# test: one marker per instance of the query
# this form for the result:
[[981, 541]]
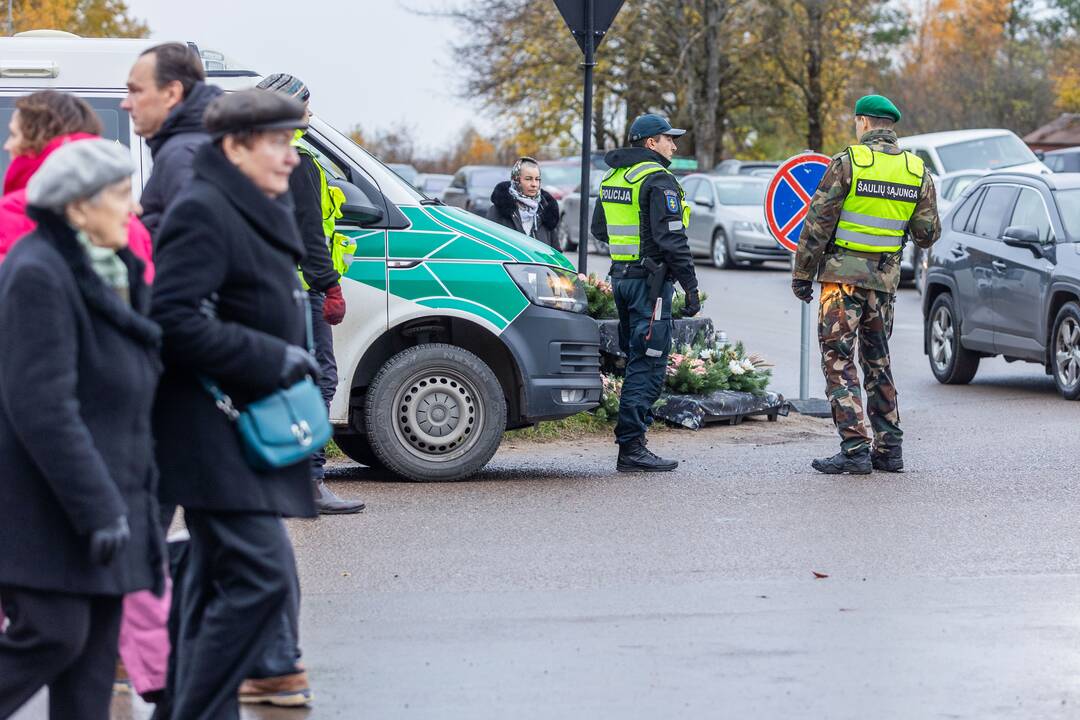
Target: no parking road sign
[[788, 196]]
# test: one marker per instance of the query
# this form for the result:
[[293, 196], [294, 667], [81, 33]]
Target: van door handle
[[958, 250], [999, 266]]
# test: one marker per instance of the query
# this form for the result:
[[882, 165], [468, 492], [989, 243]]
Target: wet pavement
[[552, 587]]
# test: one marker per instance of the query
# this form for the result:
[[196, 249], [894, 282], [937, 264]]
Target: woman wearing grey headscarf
[[78, 371], [520, 204]]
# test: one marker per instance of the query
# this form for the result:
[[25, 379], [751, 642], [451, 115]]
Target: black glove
[[693, 304], [109, 540], [298, 363], [803, 289]]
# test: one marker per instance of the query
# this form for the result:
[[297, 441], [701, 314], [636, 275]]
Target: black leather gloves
[[298, 363], [106, 542], [693, 304], [803, 289]]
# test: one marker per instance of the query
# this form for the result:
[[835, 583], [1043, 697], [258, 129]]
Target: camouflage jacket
[[819, 257]]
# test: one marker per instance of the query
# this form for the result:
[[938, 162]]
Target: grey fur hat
[[78, 170]]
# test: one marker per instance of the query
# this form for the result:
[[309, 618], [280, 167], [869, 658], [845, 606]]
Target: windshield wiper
[[431, 201]]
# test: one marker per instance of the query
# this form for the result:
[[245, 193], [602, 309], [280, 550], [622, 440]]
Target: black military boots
[[635, 457], [857, 463]]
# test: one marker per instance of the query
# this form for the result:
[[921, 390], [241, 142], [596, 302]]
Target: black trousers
[[65, 642], [235, 588]]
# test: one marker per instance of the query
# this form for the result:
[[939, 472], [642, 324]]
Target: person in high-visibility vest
[[873, 197], [641, 214], [316, 209]]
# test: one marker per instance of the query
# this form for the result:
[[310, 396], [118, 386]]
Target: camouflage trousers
[[850, 315]]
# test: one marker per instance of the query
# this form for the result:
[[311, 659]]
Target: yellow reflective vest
[[881, 201], [620, 196], [331, 199]]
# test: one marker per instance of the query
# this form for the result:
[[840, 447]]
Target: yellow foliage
[[88, 18]]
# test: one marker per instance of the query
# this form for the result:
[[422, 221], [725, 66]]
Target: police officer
[[642, 216], [873, 196]]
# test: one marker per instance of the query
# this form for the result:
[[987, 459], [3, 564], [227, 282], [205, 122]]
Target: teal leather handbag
[[284, 428]]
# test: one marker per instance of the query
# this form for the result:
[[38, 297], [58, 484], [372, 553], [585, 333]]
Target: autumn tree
[[88, 18], [976, 63]]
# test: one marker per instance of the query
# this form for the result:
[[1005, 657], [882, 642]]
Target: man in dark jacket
[[167, 96], [520, 204], [641, 215]]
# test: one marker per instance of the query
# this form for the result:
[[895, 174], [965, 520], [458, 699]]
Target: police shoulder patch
[[671, 199]]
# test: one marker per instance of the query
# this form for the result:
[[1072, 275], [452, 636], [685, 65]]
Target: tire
[[719, 251], [951, 362], [1065, 351], [427, 390], [357, 448]]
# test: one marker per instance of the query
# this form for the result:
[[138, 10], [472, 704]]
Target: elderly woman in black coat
[[231, 308], [78, 368], [520, 204]]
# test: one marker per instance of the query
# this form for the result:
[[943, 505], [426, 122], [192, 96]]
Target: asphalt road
[[552, 587]]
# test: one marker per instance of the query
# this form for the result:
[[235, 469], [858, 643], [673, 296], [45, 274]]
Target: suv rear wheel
[[951, 363], [435, 412], [1065, 351]]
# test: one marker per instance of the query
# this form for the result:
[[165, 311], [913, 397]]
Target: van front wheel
[[435, 412]]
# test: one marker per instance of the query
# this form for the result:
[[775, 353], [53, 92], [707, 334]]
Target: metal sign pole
[[804, 354], [586, 137]]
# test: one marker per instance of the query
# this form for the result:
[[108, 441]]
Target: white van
[[947, 152], [457, 328]]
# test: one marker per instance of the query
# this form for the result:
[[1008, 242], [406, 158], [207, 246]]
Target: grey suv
[[1005, 279]]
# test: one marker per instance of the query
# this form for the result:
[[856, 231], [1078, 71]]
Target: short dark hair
[[176, 62], [877, 123], [640, 144]]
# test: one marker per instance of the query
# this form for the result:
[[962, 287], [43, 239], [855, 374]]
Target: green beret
[[877, 106]]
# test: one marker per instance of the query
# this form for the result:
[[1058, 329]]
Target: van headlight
[[550, 287]]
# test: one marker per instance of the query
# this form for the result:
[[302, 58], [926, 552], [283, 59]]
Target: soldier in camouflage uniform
[[858, 290]]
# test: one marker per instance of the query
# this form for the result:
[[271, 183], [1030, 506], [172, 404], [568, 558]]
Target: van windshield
[[999, 151], [390, 183]]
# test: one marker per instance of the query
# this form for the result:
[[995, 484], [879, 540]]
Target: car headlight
[[550, 287], [744, 226]]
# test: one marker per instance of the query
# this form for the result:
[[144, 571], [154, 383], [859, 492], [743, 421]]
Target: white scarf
[[528, 210]]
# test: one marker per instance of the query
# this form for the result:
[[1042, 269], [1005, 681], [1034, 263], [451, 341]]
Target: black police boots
[[889, 460], [855, 464], [635, 457]]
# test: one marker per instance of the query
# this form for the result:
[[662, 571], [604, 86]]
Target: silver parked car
[[727, 220]]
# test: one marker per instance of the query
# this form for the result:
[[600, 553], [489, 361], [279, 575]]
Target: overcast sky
[[367, 62]]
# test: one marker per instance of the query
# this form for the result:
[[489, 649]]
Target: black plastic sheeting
[[684, 332], [730, 406]]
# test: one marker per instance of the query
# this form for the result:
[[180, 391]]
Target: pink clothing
[[14, 224], [144, 639], [23, 167]]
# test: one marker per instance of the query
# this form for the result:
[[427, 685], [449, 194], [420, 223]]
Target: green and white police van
[[457, 328]]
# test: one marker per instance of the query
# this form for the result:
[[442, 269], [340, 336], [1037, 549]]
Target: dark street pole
[[586, 137]]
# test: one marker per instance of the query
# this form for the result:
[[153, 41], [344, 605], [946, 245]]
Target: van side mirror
[[1040, 155], [357, 208], [362, 214], [1024, 236]]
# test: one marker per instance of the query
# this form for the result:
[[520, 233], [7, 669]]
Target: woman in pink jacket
[[42, 123]]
